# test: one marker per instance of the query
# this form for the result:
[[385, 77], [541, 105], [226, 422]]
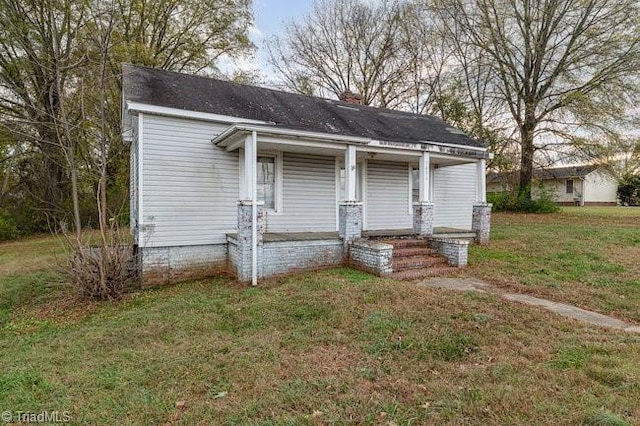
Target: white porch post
[[481, 221], [350, 173], [253, 159], [250, 168], [424, 209], [425, 187], [350, 210], [250, 216], [481, 179]]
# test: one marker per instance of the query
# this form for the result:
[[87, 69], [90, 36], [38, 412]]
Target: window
[[266, 180], [415, 185], [569, 186]]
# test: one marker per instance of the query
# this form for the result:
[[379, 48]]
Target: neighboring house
[[263, 182], [568, 186]]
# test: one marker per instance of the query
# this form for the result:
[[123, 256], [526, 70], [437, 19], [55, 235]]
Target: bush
[[104, 272], [8, 228], [629, 191], [515, 202]]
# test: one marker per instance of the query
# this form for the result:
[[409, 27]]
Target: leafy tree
[[60, 87], [629, 190]]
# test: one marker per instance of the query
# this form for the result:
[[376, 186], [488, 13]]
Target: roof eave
[[230, 139]]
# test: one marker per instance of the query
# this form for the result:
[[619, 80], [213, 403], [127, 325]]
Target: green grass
[[329, 347], [585, 256]]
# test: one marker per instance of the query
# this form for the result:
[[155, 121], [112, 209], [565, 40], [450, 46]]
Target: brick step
[[417, 262], [405, 243], [412, 251], [413, 274]]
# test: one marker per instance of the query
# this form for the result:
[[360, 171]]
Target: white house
[[568, 186], [262, 182]]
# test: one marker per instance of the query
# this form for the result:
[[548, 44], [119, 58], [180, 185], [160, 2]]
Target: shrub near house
[[629, 191]]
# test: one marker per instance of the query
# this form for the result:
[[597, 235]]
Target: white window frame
[[411, 169], [573, 186], [278, 159]]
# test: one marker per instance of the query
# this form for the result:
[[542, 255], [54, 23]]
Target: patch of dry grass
[[29, 254], [583, 256], [329, 347]]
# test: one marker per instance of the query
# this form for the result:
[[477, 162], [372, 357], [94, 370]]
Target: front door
[[387, 196]]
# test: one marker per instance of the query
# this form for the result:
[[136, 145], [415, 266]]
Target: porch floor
[[439, 231], [444, 232], [274, 237]]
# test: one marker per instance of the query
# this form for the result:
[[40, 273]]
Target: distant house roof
[[567, 172], [287, 110]]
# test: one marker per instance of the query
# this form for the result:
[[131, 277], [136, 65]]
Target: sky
[[270, 17]]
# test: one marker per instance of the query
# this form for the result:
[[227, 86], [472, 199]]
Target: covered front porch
[[328, 191]]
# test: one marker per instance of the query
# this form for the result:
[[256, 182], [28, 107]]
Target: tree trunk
[[52, 193], [527, 130]]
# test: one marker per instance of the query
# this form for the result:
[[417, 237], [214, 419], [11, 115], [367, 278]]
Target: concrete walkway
[[473, 284]]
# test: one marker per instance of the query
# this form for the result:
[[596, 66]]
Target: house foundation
[[455, 250], [282, 257], [169, 265], [371, 256]]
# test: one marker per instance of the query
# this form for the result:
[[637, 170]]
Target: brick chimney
[[350, 97]]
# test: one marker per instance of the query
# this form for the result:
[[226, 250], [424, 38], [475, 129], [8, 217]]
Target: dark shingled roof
[[287, 110], [547, 174]]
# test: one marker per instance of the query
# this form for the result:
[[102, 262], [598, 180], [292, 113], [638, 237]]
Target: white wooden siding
[[600, 187], [387, 196], [454, 195], [308, 195], [190, 186]]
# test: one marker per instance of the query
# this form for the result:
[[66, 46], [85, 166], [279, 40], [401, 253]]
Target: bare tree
[[561, 67], [346, 45]]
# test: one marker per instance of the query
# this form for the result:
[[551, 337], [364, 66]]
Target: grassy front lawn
[[584, 256], [330, 347]]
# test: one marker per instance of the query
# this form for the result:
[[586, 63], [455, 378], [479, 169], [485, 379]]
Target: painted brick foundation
[[282, 257], [455, 250], [371, 256], [287, 256], [169, 265]]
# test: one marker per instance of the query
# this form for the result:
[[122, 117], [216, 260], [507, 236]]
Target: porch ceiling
[[301, 149], [412, 158]]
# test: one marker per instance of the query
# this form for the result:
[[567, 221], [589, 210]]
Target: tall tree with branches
[[563, 68], [39, 53], [59, 84], [346, 45]]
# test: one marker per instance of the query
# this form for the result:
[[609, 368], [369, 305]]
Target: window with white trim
[[266, 181], [569, 186], [415, 184]]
